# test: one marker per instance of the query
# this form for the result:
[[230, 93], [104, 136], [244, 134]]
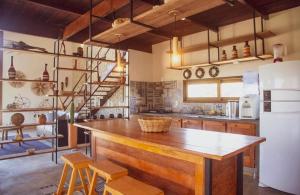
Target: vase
[[224, 55], [234, 54], [42, 119], [12, 70], [72, 135], [45, 74], [246, 50]]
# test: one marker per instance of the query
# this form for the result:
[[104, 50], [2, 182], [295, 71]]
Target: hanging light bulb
[[176, 58], [120, 64]]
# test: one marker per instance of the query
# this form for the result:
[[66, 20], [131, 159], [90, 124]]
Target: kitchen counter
[[202, 117], [181, 161]]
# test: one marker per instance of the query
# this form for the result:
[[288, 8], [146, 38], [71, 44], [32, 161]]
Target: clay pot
[[42, 119]]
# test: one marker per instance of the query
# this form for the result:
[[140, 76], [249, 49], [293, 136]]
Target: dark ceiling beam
[[53, 5], [259, 10], [153, 2], [205, 26]]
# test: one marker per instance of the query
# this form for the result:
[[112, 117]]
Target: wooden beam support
[[261, 12], [153, 2], [102, 9], [205, 26], [53, 5]]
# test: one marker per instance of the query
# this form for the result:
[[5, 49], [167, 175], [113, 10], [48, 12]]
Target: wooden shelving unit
[[151, 19], [231, 61], [26, 80], [229, 41]]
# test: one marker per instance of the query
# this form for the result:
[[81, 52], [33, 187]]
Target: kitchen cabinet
[[176, 123], [192, 123], [211, 125], [244, 129]]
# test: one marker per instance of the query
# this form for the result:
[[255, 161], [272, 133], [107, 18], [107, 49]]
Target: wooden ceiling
[[49, 18]]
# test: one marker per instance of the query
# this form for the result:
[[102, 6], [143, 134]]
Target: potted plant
[[72, 129]]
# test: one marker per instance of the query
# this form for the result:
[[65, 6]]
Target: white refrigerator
[[280, 124]]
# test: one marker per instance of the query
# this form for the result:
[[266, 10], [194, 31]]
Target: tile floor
[[38, 175]]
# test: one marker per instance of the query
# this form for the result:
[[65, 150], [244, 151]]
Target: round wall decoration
[[17, 119], [19, 76], [214, 71], [200, 73], [40, 88], [187, 73]]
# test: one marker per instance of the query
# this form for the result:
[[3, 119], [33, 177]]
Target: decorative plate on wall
[[214, 71], [187, 74], [200, 73], [40, 88], [18, 84]]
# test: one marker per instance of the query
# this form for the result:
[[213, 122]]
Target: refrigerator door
[[284, 75], [280, 155]]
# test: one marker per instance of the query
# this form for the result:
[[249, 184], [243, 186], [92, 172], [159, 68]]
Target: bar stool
[[77, 162], [128, 185], [120, 115], [111, 116], [106, 170], [102, 116]]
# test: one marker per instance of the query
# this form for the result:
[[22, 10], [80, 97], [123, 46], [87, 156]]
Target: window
[[213, 90]]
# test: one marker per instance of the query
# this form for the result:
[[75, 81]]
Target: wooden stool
[[78, 162], [106, 170], [127, 185]]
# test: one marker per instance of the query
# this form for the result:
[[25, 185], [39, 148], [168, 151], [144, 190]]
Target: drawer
[[214, 125], [193, 124]]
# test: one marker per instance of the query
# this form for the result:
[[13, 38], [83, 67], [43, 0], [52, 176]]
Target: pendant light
[[120, 64], [176, 58]]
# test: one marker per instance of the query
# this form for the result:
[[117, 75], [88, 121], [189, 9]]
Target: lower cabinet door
[[176, 123], [193, 124], [244, 129], [214, 125]]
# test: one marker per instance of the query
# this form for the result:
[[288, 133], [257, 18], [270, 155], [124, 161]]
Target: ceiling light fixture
[[120, 64], [175, 47]]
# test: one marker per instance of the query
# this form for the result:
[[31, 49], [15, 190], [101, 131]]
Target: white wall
[[140, 68], [285, 24]]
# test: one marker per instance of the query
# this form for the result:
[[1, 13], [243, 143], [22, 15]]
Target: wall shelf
[[231, 61], [72, 69], [24, 125], [31, 139], [53, 54], [28, 110], [26, 80]]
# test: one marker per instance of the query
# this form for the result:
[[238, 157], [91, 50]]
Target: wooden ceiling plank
[[102, 9]]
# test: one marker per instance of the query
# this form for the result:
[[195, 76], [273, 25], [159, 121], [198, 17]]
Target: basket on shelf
[[155, 124]]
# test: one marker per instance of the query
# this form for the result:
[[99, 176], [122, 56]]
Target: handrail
[[82, 76]]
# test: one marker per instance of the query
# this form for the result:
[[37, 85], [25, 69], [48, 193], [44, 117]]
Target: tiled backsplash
[[167, 96]]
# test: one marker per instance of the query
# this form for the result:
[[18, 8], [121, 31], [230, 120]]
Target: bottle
[[75, 65], [45, 74], [247, 112], [12, 70], [234, 54], [224, 55], [246, 50]]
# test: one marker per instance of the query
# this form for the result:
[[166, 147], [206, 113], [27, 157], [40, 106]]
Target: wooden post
[[1, 71]]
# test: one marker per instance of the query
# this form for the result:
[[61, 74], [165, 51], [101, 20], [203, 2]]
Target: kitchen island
[[181, 161]]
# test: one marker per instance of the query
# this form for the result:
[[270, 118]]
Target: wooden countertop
[[188, 143]]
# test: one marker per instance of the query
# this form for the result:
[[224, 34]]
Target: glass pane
[[232, 89], [202, 90]]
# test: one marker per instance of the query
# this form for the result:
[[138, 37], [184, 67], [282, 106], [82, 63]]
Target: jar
[[234, 54], [246, 50], [224, 55]]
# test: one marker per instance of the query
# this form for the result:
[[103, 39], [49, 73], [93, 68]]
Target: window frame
[[218, 81]]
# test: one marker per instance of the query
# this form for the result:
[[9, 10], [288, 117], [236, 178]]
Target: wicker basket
[[155, 124]]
